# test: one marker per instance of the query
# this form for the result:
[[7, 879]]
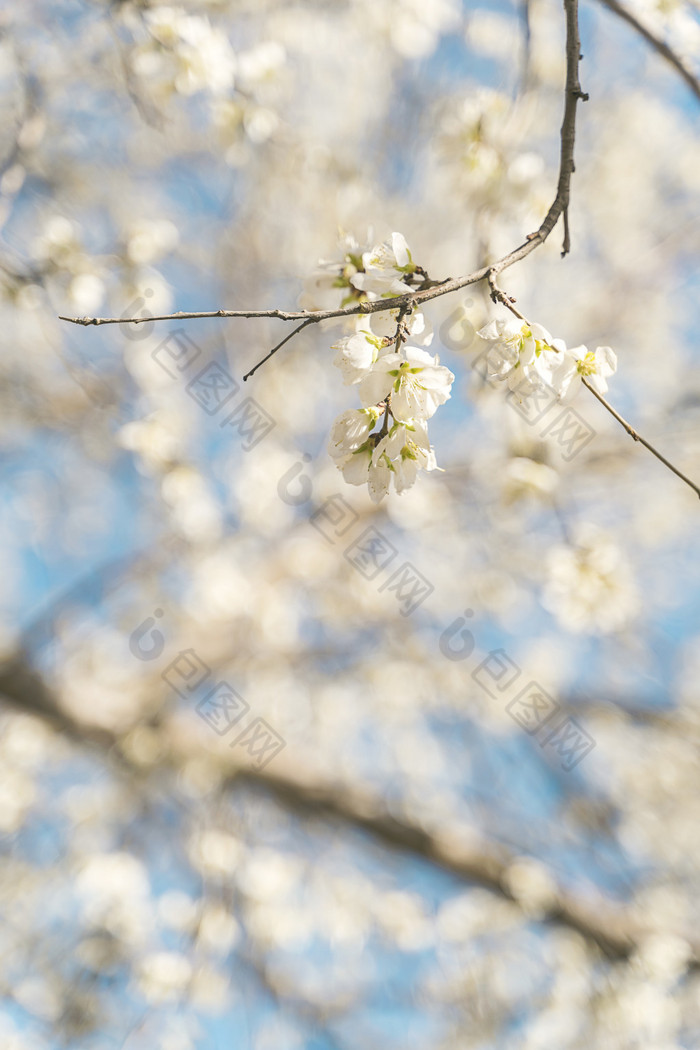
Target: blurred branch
[[526, 45], [457, 851], [147, 111], [614, 930], [26, 691], [659, 45], [677, 721], [94, 585]]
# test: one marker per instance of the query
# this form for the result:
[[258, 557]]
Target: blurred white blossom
[[589, 585]]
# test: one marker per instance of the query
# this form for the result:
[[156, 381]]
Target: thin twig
[[309, 320], [659, 45], [182, 315], [638, 437], [433, 290], [572, 94], [499, 296]]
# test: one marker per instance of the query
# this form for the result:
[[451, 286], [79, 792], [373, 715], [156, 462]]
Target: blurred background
[[280, 768]]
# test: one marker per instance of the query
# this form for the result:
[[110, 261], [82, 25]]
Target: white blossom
[[405, 450], [526, 356], [384, 323], [206, 58], [329, 287], [589, 585], [163, 976], [385, 268], [399, 455], [359, 468], [351, 430], [595, 365], [261, 63], [356, 355], [523, 355], [417, 382]]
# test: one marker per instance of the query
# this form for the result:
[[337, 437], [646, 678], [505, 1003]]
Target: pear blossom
[[595, 365], [404, 384], [551, 365], [527, 477], [356, 355], [205, 56], [329, 286], [406, 450], [380, 284], [399, 455], [387, 256], [322, 289], [374, 339], [526, 356], [261, 63], [522, 354], [385, 269], [417, 382], [359, 468], [384, 324], [351, 430], [589, 586]]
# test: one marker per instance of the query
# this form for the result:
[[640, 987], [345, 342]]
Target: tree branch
[[572, 95], [458, 851], [614, 930], [659, 45], [637, 437]]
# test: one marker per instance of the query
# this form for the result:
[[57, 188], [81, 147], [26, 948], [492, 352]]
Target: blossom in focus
[[356, 355], [524, 355], [417, 382], [351, 430], [329, 287], [405, 450], [359, 468], [594, 365], [403, 384], [385, 269], [383, 324], [398, 455]]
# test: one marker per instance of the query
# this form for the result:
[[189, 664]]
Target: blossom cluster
[[364, 273], [401, 384], [184, 54], [527, 358]]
